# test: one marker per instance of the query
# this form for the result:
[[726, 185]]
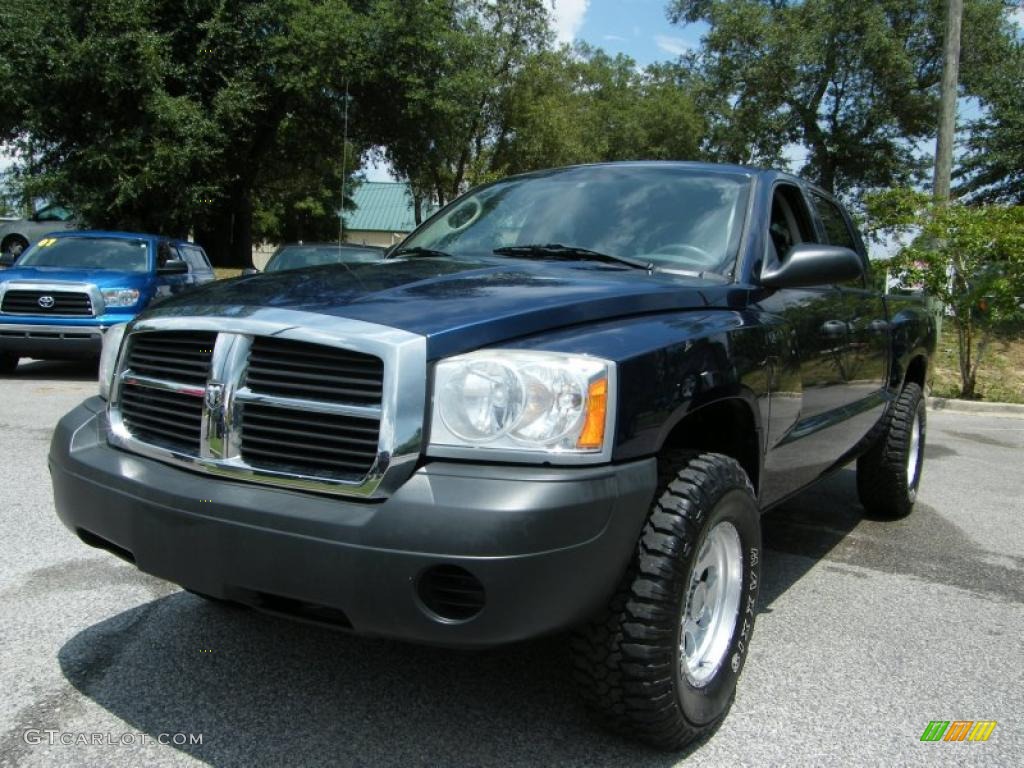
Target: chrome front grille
[[336, 409], [44, 302]]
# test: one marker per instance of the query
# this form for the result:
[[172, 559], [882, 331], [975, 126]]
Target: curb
[[975, 406]]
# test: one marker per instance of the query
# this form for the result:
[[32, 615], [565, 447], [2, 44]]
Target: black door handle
[[833, 329]]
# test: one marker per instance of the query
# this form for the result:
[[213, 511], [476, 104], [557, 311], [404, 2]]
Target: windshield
[[297, 256], [88, 253], [671, 217]]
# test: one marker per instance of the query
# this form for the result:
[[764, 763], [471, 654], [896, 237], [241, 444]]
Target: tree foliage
[[854, 83], [166, 116], [969, 257], [992, 169]]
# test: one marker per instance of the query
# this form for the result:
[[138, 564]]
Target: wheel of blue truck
[[889, 473], [8, 362], [661, 662]]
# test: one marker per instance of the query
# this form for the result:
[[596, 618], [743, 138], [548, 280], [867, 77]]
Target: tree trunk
[[968, 370], [417, 209], [227, 236], [240, 253]]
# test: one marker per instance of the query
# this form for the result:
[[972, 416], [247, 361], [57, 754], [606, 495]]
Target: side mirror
[[810, 264], [250, 271], [173, 267], [7, 259]]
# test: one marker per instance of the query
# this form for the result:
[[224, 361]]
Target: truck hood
[[103, 278], [457, 304]]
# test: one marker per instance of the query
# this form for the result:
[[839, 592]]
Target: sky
[[637, 28]]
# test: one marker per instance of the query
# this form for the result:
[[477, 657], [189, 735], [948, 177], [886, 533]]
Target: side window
[[194, 257], [836, 229], [790, 223], [838, 232]]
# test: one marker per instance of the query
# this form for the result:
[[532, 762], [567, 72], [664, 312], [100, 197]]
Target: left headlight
[[120, 297], [526, 405], [108, 357]]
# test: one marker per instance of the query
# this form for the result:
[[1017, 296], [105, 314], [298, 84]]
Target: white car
[[18, 234]]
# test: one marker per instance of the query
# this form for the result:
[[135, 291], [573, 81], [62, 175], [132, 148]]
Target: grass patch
[[223, 273], [1000, 378]]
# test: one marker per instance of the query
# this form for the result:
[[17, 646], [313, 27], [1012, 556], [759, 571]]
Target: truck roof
[[115, 234]]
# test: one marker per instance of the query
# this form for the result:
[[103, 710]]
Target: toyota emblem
[[46, 302]]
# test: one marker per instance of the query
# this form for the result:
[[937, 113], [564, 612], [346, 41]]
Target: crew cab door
[[811, 405], [868, 339]]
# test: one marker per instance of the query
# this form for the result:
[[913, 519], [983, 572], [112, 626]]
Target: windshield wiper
[[569, 253], [415, 250]]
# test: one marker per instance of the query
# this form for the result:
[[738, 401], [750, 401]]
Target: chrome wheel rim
[[914, 453], [711, 605]]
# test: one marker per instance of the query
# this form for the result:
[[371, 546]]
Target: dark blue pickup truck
[[562, 403], [64, 292]]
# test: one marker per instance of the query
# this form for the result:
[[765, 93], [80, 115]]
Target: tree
[[168, 116], [992, 169], [854, 83], [969, 257], [446, 67]]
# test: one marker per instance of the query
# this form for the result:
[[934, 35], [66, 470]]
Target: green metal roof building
[[383, 215]]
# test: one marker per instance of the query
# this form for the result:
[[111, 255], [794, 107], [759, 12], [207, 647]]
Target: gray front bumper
[[548, 544], [51, 341]]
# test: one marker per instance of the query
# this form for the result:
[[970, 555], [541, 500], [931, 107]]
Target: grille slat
[[314, 372], [312, 447], [26, 302], [180, 356], [330, 450], [255, 423], [298, 420]]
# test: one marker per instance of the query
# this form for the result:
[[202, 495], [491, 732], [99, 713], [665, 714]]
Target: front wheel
[[889, 473], [662, 661]]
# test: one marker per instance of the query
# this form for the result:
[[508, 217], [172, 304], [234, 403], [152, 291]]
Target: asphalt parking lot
[[867, 631]]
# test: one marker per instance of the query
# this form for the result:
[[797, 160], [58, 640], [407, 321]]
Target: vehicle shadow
[[266, 691], [797, 535], [67, 370]]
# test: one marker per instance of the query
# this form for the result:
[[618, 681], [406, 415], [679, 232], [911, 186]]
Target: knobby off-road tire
[[889, 473], [630, 662]]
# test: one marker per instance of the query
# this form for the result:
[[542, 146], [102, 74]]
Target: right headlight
[[108, 357], [524, 405]]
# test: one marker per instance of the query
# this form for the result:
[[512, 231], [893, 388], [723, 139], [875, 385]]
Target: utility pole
[[947, 111]]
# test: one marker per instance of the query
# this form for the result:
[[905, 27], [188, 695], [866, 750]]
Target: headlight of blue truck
[[525, 405], [120, 297]]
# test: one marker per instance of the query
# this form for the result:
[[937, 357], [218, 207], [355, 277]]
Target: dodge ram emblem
[[46, 302], [214, 396]]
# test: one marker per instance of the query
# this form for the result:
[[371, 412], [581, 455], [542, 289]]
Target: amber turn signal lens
[[592, 435]]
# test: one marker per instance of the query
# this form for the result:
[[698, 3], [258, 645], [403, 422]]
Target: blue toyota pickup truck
[[562, 403], [64, 292]]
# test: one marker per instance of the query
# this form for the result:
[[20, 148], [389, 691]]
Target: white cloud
[[1017, 16], [677, 46], [567, 17], [615, 38]]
